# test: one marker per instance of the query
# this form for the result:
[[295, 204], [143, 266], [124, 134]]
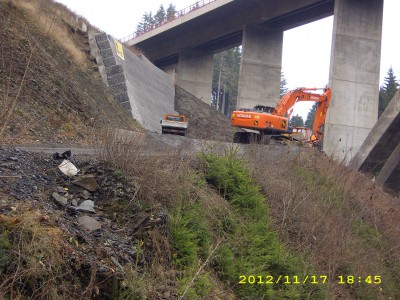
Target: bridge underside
[[222, 28]]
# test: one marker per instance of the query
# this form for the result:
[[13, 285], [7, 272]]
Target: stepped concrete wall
[[143, 89]]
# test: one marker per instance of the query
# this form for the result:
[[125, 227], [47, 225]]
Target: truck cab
[[174, 124]]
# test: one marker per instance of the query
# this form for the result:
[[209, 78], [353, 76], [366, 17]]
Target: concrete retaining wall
[[134, 81]]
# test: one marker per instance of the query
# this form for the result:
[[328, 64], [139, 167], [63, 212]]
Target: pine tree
[[296, 121], [160, 16], [171, 11], [283, 89], [141, 27], [150, 21], [311, 116], [146, 23], [388, 90]]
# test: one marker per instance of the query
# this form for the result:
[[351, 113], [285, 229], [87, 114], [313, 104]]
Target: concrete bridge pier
[[354, 76], [260, 67], [195, 72]]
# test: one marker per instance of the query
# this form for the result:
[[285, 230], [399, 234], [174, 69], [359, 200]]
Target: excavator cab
[[264, 109]]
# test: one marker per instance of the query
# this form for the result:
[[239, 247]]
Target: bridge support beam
[[260, 67], [354, 76], [392, 163], [195, 71], [380, 152]]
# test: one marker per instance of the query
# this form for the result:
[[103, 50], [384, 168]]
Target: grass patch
[[39, 263], [190, 239], [337, 219], [252, 248]]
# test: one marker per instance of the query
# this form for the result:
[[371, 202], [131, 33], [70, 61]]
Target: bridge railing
[[178, 14]]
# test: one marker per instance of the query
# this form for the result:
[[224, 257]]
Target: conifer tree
[[171, 11], [150, 21], [388, 90], [160, 16], [296, 121], [146, 23], [140, 27], [283, 88], [311, 116]]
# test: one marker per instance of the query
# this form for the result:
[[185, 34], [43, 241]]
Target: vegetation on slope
[[215, 218], [342, 222], [252, 248], [219, 221], [50, 91]]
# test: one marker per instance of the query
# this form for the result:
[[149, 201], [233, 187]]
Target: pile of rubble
[[96, 209]]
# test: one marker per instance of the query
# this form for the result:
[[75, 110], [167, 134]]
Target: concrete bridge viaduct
[[185, 47]]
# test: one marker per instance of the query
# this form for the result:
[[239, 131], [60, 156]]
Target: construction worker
[[313, 139]]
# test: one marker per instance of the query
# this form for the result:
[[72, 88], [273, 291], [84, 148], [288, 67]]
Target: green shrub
[[200, 288], [224, 264], [227, 224], [190, 235], [227, 174], [202, 285], [184, 241], [252, 248], [235, 183], [190, 241]]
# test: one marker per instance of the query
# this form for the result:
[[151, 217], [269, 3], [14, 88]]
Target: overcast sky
[[305, 66]]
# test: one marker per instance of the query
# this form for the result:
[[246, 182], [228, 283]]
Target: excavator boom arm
[[303, 94], [294, 96], [320, 114]]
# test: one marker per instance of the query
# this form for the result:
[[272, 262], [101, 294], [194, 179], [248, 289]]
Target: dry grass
[[57, 22], [340, 220], [40, 264], [59, 100], [159, 175]]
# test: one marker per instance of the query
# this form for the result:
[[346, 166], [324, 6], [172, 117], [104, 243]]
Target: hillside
[[48, 84], [144, 219], [204, 123]]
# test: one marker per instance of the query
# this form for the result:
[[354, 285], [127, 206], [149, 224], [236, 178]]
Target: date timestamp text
[[308, 279]]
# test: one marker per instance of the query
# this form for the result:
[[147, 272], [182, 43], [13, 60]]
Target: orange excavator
[[264, 122]]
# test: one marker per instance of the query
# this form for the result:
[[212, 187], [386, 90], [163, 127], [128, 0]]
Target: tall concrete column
[[354, 76], [260, 67], [195, 71]]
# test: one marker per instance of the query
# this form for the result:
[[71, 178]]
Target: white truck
[[174, 124]]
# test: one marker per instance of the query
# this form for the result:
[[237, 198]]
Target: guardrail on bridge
[[178, 14]]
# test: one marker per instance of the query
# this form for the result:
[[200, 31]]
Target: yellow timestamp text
[[350, 279], [282, 279], [308, 279]]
